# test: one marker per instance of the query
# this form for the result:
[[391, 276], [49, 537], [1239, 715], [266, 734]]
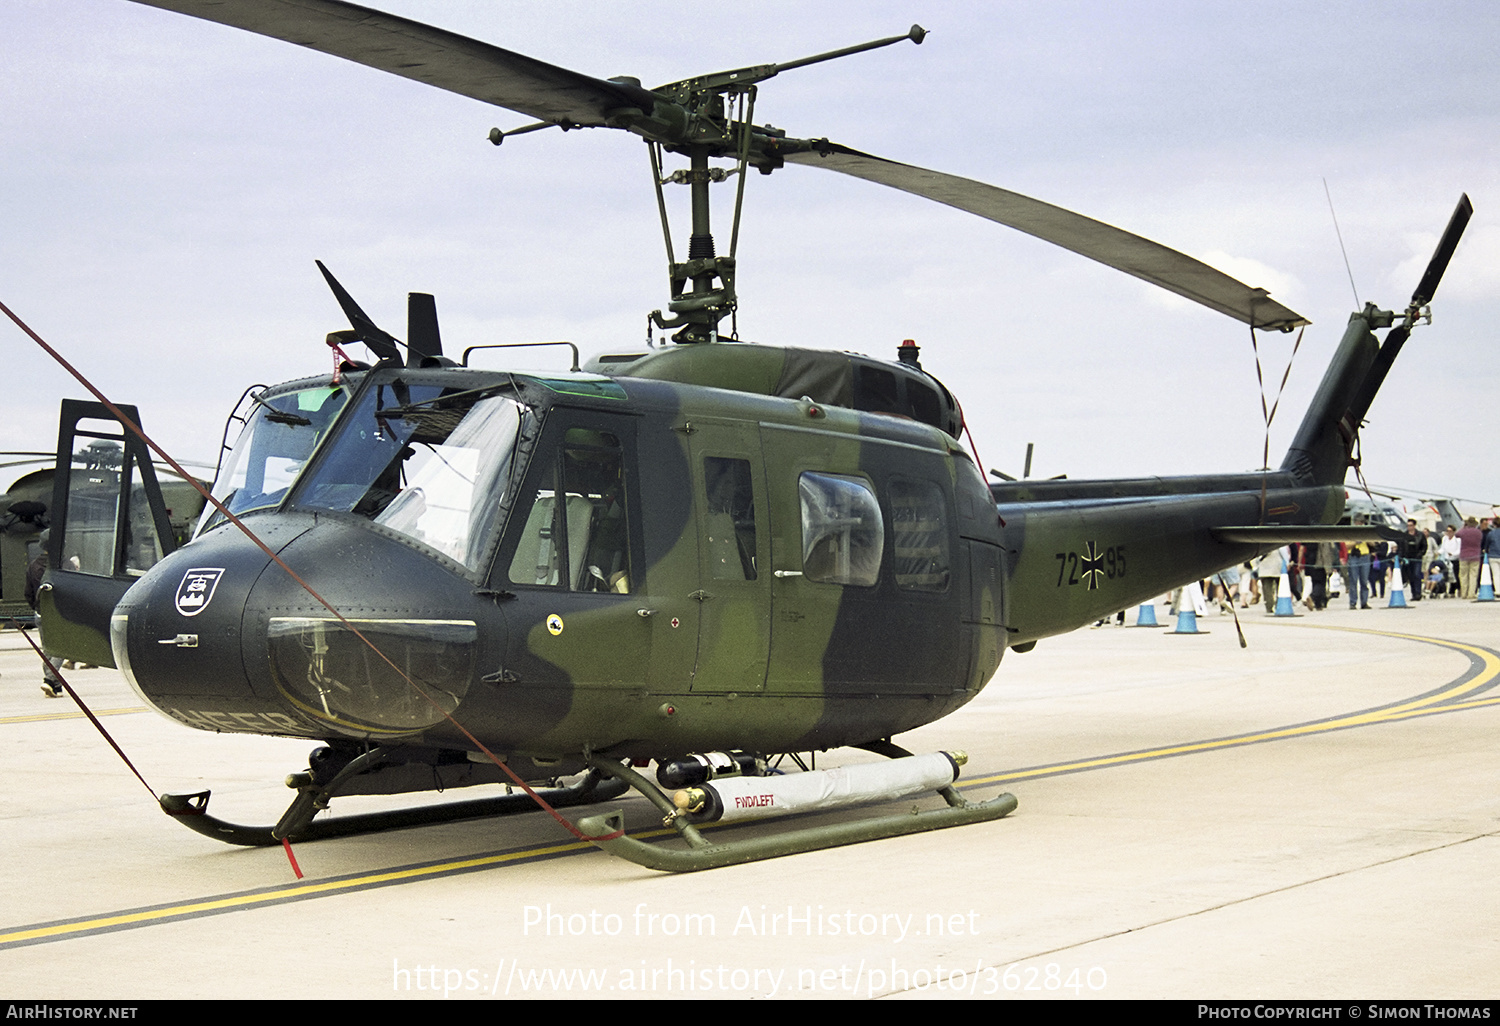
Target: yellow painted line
[[39, 717], [1475, 703], [1404, 710], [295, 892]]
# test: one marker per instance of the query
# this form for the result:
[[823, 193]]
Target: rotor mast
[[712, 130], [697, 312]]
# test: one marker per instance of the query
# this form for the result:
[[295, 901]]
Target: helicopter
[[704, 554]]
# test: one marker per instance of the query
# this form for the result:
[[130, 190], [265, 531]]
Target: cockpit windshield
[[429, 462], [279, 436]]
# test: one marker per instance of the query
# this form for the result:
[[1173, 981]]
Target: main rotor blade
[[425, 54], [1147, 260], [44, 457], [380, 341]]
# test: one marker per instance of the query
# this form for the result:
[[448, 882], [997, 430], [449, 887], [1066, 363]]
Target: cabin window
[[843, 533], [919, 533], [875, 390], [730, 518], [575, 534], [924, 403]]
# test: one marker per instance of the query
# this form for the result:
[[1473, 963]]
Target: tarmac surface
[[1314, 816]]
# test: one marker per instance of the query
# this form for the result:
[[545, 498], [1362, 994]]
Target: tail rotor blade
[[1444, 252]]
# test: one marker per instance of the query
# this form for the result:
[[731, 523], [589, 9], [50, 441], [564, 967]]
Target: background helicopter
[[1026, 633], [24, 515]]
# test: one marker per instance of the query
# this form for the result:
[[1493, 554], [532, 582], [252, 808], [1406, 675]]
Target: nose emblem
[[197, 589]]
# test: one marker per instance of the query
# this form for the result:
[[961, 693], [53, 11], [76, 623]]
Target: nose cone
[[221, 637], [177, 633]]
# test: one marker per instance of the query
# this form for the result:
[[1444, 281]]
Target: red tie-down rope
[[287, 845], [86, 710], [135, 429]]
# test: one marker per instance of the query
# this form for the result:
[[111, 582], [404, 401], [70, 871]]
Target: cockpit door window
[[575, 534]]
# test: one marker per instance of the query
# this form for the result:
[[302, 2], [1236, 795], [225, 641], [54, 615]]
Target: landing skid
[[297, 824], [704, 854]]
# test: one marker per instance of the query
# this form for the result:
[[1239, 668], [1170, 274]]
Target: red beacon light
[[908, 351]]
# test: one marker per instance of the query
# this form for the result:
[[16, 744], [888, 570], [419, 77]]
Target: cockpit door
[[571, 562], [109, 526]]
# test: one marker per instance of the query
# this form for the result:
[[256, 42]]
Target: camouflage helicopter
[[705, 554]]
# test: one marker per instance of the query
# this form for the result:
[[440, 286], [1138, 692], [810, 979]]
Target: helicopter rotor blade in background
[[1113, 247], [425, 54]]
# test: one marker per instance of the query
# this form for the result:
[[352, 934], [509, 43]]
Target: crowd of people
[[1431, 564]]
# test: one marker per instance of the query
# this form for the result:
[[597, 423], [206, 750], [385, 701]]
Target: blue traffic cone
[[1284, 605], [1486, 581], [1398, 587], [1187, 618], [1146, 615]]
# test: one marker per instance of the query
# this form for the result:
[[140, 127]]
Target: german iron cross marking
[[1092, 562]]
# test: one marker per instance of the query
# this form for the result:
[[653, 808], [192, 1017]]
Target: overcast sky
[[167, 183]]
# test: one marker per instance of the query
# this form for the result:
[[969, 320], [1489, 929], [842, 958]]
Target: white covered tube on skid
[[728, 799]]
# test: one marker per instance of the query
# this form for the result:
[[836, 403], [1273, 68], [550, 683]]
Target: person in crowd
[[1322, 557], [1469, 541], [1225, 588], [35, 571], [1491, 547], [1436, 580], [1268, 570], [1448, 550], [1380, 556], [1413, 549], [1357, 580]]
